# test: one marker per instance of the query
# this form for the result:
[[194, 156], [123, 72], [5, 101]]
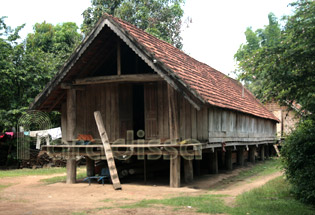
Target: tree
[[298, 158], [278, 62], [26, 67], [161, 18]]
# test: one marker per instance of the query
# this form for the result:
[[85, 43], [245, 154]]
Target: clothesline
[[54, 133]]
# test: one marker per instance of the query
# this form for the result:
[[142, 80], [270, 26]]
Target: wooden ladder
[[108, 151]]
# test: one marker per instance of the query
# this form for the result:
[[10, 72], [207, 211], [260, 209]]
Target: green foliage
[[161, 18], [278, 63], [26, 67], [298, 156]]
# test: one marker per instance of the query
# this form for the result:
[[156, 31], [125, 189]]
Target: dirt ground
[[29, 196]]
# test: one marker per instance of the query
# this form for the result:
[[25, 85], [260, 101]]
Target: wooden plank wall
[[104, 98], [232, 124], [208, 124]]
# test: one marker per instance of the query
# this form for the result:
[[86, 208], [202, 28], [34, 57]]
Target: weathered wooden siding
[[225, 125], [209, 124], [104, 98]]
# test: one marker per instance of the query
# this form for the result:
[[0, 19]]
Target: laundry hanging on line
[[54, 133]]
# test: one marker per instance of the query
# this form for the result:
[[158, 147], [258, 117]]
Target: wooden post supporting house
[[267, 151], [188, 170], [262, 152], [240, 156], [228, 159], [90, 167], [213, 165], [71, 126], [251, 154], [174, 135]]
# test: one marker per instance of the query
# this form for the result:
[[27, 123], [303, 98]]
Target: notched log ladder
[[108, 151]]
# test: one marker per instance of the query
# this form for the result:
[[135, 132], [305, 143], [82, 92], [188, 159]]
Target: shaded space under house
[[172, 103]]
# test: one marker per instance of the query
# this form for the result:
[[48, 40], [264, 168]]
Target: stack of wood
[[41, 159]]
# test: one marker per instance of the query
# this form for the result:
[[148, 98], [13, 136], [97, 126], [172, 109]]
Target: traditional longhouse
[[139, 82]]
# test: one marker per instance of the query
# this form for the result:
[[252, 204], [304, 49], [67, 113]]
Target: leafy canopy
[[26, 67], [278, 62], [161, 18]]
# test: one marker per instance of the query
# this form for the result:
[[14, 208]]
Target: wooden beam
[[188, 171], [228, 160], [71, 114], [108, 151], [213, 165], [116, 78], [262, 152], [118, 57], [173, 114], [240, 156], [90, 166], [71, 127], [267, 151], [67, 86], [64, 122], [175, 171], [174, 136], [251, 154]]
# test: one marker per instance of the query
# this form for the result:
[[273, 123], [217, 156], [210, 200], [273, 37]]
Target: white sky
[[213, 37]]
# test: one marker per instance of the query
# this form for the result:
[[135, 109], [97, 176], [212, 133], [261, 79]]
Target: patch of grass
[[79, 213], [203, 204], [27, 172], [106, 200], [3, 186], [274, 198], [80, 174], [264, 168]]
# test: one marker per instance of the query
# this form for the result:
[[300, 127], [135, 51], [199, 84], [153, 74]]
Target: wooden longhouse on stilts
[[140, 83]]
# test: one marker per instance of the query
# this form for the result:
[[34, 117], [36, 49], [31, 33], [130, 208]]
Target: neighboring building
[[139, 82], [288, 117]]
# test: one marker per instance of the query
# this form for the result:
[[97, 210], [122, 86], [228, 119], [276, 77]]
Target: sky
[[213, 37]]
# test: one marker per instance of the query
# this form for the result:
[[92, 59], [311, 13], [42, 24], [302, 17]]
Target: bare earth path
[[29, 196]]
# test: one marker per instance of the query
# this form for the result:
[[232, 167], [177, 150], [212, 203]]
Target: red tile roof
[[213, 86]]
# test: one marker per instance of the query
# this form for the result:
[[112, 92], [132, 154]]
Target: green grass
[[264, 168], [27, 172], [274, 198], [3, 186], [80, 174], [204, 203]]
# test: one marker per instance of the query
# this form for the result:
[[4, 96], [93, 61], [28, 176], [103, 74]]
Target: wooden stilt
[[175, 172], [251, 154], [188, 171], [71, 170], [262, 152], [240, 156], [228, 159], [196, 164], [71, 127], [267, 151], [145, 169], [90, 167], [174, 136], [213, 165]]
